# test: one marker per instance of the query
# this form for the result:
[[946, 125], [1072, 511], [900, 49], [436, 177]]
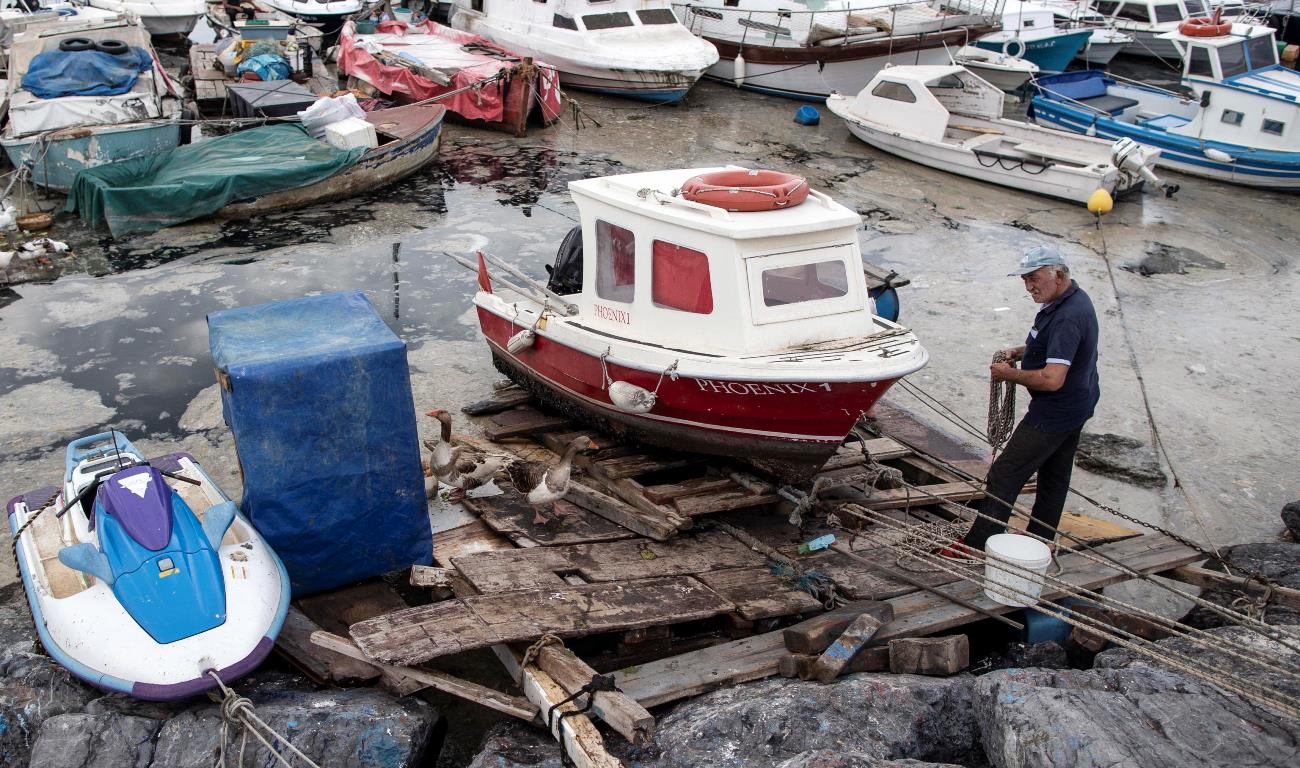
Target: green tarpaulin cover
[[195, 180]]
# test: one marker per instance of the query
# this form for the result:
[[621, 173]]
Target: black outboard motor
[[566, 275]]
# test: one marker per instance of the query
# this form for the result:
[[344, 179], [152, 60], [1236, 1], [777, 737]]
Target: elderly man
[[1059, 368]]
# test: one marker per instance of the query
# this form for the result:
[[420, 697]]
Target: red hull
[[793, 422]]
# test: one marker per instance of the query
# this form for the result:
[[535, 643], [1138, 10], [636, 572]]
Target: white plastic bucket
[[1017, 554], [403, 15]]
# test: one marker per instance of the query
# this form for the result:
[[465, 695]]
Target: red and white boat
[[686, 325]]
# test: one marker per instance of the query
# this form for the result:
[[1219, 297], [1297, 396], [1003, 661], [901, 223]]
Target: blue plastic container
[[807, 115], [318, 395]]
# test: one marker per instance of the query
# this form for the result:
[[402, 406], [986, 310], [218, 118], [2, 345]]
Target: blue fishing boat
[[142, 577], [1029, 32], [1240, 121]]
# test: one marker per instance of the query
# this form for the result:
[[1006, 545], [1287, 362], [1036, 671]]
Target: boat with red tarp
[[684, 324]]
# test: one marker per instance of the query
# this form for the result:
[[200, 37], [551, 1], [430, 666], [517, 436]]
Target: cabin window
[[606, 20], [1275, 127], [1232, 117], [615, 262], [1199, 62], [679, 278], [1232, 60], [476, 5], [1027, 24], [1166, 13], [1106, 7], [804, 282], [657, 16], [1195, 8], [894, 91], [1263, 52], [731, 3], [563, 22], [1134, 12]]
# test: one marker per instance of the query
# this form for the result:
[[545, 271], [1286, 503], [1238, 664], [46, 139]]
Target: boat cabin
[[920, 101], [1143, 14], [578, 15], [667, 271], [1248, 48]]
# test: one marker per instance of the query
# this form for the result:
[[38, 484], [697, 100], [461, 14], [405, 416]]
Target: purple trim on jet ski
[[34, 499], [171, 462], [144, 508], [154, 692]]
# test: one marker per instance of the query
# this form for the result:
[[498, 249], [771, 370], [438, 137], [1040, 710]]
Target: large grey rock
[[1142, 716], [16, 630], [513, 745], [1120, 457], [95, 741], [1291, 518], [32, 689], [767, 723], [354, 728], [1048, 655], [1277, 560], [1240, 637]]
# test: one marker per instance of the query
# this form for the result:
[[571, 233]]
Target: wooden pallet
[[210, 83]]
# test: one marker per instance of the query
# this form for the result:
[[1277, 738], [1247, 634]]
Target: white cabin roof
[[921, 74], [651, 194]]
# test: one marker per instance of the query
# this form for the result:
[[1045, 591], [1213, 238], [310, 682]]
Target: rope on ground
[[237, 711], [1002, 406]]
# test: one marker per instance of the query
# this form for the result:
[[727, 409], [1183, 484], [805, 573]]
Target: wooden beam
[[1207, 579], [322, 665], [501, 702], [651, 524], [918, 613]]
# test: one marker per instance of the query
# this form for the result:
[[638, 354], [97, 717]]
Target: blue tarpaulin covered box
[[318, 396]]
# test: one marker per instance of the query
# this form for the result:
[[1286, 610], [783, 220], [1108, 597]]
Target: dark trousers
[[1030, 450]]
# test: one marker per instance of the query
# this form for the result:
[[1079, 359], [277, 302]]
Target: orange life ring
[[747, 190], [1203, 26]]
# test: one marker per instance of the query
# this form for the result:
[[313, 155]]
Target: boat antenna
[[116, 452]]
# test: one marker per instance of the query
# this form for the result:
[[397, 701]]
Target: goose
[[544, 485], [440, 450], [468, 470]]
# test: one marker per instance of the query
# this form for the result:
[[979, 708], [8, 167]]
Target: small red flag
[[484, 283]]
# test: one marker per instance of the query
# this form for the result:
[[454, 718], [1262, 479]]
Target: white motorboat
[[160, 17], [948, 118], [1029, 31], [53, 134], [18, 16], [1240, 124], [631, 48], [1009, 73], [326, 15], [1149, 22], [808, 50], [1104, 43], [718, 310]]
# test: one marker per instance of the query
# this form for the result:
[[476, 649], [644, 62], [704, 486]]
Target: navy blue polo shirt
[[1065, 331]]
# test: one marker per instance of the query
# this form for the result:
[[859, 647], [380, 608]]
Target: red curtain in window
[[680, 278]]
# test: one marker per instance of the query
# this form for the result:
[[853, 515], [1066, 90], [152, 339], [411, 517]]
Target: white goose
[[544, 485]]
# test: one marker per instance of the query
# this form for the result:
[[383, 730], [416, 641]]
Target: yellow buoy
[[1099, 202]]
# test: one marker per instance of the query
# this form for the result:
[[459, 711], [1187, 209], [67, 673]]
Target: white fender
[[520, 341], [631, 398], [1219, 156], [738, 71]]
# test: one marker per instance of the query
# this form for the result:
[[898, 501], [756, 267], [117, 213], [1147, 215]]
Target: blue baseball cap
[[1044, 255]]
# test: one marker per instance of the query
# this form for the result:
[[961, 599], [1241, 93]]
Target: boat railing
[[844, 25]]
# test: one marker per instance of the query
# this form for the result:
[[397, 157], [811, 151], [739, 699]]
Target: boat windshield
[[1232, 60], [804, 282], [1263, 51]]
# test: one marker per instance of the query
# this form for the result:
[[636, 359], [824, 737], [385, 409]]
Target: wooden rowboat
[[408, 140]]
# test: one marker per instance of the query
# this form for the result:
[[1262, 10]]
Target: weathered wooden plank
[[739, 498], [466, 623], [433, 578], [870, 659], [522, 421], [666, 493], [836, 657], [334, 610], [919, 613], [466, 539], [653, 524], [635, 464], [320, 664], [620, 711], [758, 594], [624, 488], [879, 449], [512, 516], [1207, 579], [492, 699], [582, 742], [501, 400], [542, 567], [859, 582], [814, 635]]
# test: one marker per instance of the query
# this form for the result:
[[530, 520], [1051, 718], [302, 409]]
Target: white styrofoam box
[[351, 133]]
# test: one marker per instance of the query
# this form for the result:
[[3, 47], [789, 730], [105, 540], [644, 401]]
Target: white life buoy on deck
[[1020, 50]]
